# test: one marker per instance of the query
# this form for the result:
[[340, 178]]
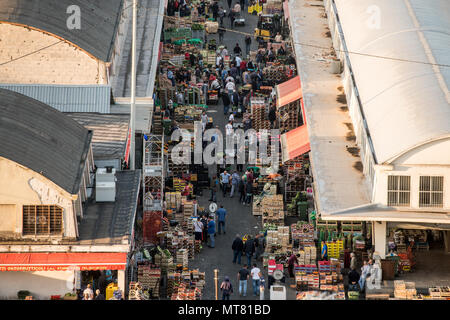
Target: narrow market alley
[[239, 219]]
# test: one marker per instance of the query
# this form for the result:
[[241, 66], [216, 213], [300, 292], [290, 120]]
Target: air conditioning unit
[[105, 184]]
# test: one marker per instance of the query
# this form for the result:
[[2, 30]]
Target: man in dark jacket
[[242, 191], [272, 116], [249, 193], [237, 248], [237, 50], [249, 249], [248, 42], [353, 278], [226, 102]]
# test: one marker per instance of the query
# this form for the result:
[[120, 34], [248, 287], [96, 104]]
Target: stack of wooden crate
[[182, 257], [272, 208], [149, 278]]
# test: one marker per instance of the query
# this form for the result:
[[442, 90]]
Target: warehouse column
[[121, 281], [380, 237]]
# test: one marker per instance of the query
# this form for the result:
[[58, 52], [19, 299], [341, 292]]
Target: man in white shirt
[[215, 85], [256, 275], [230, 86], [229, 78], [229, 128], [231, 118], [204, 120], [88, 293], [218, 60], [238, 61], [224, 52]]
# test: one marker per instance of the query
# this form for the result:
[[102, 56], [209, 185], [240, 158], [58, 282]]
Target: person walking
[[226, 102], [242, 191], [221, 15], [224, 182], [255, 273], [232, 17], [243, 276], [235, 179], [88, 293], [248, 42], [198, 229], [211, 232], [221, 31], [205, 228], [260, 243], [204, 120], [221, 214], [237, 248], [291, 263], [272, 116], [227, 288], [213, 188], [249, 249], [248, 191], [237, 50]]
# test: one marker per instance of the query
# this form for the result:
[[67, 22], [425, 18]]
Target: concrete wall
[[21, 186], [58, 64], [414, 171], [41, 284]]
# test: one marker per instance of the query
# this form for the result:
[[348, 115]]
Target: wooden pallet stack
[[289, 116], [303, 234], [404, 290], [157, 127], [259, 115], [272, 208], [182, 257], [173, 200], [165, 262], [136, 292], [150, 279], [188, 209]]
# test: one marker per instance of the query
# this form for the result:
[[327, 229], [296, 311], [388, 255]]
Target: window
[[42, 220], [399, 188], [431, 192]]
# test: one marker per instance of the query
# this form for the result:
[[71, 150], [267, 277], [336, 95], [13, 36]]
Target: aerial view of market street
[[239, 150]]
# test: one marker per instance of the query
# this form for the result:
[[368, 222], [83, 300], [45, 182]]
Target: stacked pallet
[[276, 73], [188, 209], [157, 127], [136, 292], [272, 208], [182, 257], [307, 281], [404, 290], [149, 278], [164, 261], [187, 285], [259, 114], [308, 255], [303, 234], [173, 200], [278, 240], [289, 116]]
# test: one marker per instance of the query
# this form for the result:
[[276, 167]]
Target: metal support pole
[[133, 89], [216, 278]]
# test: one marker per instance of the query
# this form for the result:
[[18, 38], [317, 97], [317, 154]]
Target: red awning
[[295, 143], [289, 91], [286, 9], [60, 261]]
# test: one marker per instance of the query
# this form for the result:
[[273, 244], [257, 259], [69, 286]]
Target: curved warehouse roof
[[43, 139], [99, 21], [405, 104]]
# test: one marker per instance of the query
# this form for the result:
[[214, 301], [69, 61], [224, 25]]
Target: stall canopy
[[58, 261], [295, 143], [289, 91]]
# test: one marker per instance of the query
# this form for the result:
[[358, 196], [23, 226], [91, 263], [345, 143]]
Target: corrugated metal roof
[[405, 104], [43, 139], [99, 20], [109, 222], [67, 98], [110, 133]]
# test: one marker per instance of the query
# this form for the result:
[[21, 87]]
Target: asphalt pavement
[[239, 219]]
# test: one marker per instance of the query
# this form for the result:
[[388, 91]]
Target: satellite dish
[[278, 274], [213, 207]]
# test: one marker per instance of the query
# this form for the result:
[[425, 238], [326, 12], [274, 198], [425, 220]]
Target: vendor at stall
[[291, 263]]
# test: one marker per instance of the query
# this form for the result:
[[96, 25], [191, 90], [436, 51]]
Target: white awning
[[378, 212]]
